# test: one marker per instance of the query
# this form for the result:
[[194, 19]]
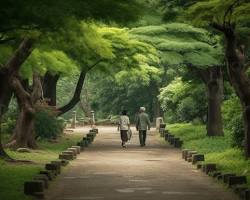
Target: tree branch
[[229, 11], [20, 55]]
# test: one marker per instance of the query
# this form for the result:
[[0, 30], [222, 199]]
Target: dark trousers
[[124, 136], [142, 137]]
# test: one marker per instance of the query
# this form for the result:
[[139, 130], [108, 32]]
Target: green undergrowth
[[216, 149], [13, 175]]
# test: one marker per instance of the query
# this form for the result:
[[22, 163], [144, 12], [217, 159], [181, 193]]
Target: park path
[[107, 171]]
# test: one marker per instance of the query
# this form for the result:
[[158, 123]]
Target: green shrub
[[47, 125], [237, 131], [8, 125], [233, 122]]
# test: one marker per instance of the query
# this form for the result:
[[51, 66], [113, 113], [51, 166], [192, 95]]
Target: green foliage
[[18, 15], [14, 175], [183, 101], [9, 125], [47, 125], [182, 44], [54, 61], [216, 149], [233, 122]]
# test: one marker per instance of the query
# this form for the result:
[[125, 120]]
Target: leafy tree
[[29, 18], [183, 101], [231, 18], [184, 45]]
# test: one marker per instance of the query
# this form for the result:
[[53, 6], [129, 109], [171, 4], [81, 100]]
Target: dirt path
[[106, 171]]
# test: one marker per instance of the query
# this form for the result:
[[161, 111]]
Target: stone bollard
[[53, 168], [81, 145], [199, 166], [190, 154], [65, 156], [58, 163], [209, 167], [34, 187], [246, 194], [73, 124], [170, 136], [74, 150], [239, 189], [162, 129], [78, 148], [226, 176], [166, 136], [91, 136], [94, 130], [184, 153], [197, 158], [49, 174], [172, 140], [44, 178], [215, 174], [178, 143], [236, 180], [85, 141], [69, 153], [64, 162]]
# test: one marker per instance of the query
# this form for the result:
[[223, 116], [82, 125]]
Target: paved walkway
[[106, 171]]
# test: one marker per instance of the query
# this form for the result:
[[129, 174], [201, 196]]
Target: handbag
[[129, 134]]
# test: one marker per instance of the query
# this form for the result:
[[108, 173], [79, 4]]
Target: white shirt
[[124, 122]]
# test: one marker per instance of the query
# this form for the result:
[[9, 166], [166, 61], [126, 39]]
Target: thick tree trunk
[[239, 80], [49, 88], [214, 94], [76, 97], [213, 79], [24, 131], [11, 71]]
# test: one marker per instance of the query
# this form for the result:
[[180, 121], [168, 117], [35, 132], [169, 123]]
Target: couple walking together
[[142, 124]]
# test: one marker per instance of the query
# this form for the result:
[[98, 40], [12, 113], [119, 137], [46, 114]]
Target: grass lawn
[[216, 149], [12, 176]]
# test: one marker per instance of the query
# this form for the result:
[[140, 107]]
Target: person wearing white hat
[[142, 125]]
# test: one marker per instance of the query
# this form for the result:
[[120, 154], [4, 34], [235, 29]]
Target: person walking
[[123, 127], [142, 125]]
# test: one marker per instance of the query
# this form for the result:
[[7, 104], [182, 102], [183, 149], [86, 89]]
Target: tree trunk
[[49, 88], [24, 131], [76, 97], [11, 72], [214, 95], [213, 79], [239, 80]]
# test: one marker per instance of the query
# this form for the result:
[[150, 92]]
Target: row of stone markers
[[175, 141], [40, 182], [233, 181]]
